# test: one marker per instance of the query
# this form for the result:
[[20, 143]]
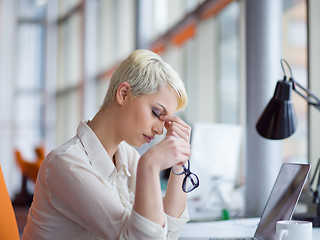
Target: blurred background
[[57, 57]]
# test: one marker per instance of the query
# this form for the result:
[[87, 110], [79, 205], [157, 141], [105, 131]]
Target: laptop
[[281, 203]]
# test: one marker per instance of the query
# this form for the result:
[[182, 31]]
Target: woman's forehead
[[167, 99]]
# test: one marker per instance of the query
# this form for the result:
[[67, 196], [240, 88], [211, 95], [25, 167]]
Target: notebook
[[281, 203]]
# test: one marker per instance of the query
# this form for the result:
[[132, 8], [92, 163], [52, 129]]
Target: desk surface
[[230, 228]]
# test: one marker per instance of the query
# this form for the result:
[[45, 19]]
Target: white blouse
[[79, 194]]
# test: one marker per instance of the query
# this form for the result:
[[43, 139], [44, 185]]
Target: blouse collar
[[98, 156]]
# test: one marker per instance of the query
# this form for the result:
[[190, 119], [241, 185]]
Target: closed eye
[[156, 112]]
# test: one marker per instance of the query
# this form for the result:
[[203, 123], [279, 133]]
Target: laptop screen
[[283, 198]]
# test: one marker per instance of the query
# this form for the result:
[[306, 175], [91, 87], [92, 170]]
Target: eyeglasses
[[190, 181]]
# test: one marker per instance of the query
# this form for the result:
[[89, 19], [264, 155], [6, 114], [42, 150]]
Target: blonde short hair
[[147, 74]]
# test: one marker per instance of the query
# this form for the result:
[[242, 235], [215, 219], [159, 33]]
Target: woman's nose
[[158, 127]]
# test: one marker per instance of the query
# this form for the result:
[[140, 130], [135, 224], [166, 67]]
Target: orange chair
[[8, 223], [30, 169]]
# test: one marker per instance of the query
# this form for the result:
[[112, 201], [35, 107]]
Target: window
[[295, 52], [28, 103], [69, 69]]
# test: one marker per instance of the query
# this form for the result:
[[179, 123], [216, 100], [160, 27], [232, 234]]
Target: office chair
[[29, 171], [8, 223]]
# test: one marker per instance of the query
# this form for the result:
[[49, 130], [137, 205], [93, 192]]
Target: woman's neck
[[104, 127]]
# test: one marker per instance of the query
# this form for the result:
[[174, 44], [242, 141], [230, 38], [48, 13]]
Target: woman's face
[[140, 121]]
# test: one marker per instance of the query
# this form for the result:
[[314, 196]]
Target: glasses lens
[[190, 182], [180, 169]]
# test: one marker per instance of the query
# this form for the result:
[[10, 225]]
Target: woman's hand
[[176, 127], [175, 148], [170, 151]]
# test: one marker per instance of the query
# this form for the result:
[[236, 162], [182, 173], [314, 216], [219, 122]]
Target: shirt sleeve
[[82, 196], [139, 223], [175, 225]]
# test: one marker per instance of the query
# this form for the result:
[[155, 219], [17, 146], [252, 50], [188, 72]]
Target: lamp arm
[[309, 97], [314, 101]]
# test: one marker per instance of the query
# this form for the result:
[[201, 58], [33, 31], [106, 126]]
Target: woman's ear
[[123, 92]]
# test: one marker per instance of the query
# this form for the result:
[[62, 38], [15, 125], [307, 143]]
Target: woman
[[96, 186]]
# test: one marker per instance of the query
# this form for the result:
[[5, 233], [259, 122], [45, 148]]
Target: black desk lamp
[[278, 120]]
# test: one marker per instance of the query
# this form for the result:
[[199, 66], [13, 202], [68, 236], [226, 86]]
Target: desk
[[230, 228]]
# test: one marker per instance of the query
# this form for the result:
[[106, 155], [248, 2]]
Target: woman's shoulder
[[69, 152], [60, 160]]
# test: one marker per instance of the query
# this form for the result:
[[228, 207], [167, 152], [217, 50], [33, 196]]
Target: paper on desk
[[231, 228], [215, 152], [215, 159]]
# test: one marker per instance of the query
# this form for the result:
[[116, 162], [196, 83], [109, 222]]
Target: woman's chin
[[135, 144]]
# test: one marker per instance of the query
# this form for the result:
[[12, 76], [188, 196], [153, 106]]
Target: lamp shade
[[278, 119]]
